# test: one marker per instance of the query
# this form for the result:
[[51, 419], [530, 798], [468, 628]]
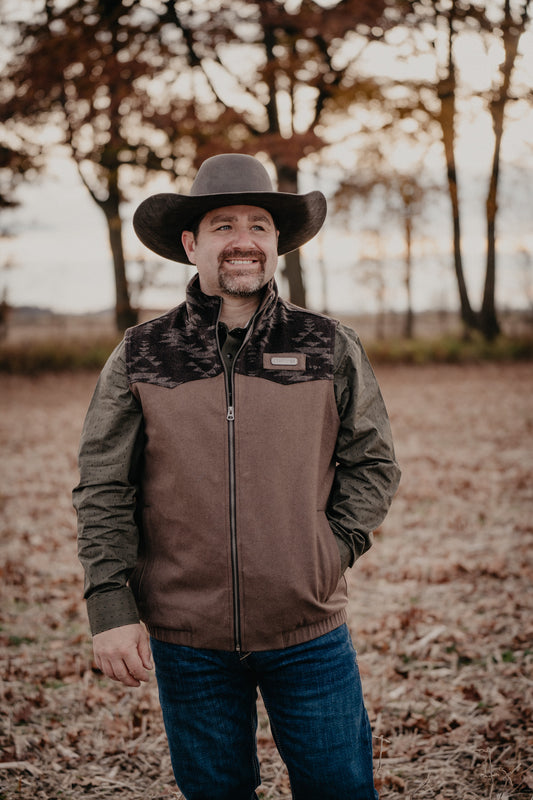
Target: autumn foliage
[[440, 608]]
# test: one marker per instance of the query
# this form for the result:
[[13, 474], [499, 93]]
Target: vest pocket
[[329, 562], [144, 566]]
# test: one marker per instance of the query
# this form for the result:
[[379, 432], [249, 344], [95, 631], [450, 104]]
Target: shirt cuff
[[111, 610]]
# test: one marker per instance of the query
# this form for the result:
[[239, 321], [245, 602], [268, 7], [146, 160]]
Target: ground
[[440, 608]]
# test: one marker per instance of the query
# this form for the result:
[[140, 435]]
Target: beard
[[243, 282]]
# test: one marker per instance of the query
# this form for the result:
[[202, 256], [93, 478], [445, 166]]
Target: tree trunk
[[288, 182], [125, 315], [511, 36], [468, 315], [409, 317], [380, 314], [488, 319], [446, 119], [293, 273]]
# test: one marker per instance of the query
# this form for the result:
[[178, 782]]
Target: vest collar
[[203, 309]]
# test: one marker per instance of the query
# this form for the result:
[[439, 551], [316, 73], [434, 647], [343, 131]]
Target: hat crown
[[229, 173]]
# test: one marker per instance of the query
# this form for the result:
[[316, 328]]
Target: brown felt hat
[[227, 180]]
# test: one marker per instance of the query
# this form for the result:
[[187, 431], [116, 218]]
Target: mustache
[[235, 252]]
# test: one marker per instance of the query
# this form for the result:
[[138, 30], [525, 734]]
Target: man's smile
[[242, 259]]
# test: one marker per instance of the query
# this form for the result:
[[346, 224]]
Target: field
[[441, 608]]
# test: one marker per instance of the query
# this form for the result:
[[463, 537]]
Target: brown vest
[[236, 550]]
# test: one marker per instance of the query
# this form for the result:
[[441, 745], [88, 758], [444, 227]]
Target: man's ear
[[189, 244]]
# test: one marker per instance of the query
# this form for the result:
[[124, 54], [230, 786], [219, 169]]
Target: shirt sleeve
[[367, 474], [106, 497]]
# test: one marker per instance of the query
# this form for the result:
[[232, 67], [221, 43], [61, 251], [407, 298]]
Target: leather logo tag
[[295, 361]]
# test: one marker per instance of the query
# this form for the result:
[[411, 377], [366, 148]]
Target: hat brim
[[160, 219]]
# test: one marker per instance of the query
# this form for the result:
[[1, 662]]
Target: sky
[[59, 257]]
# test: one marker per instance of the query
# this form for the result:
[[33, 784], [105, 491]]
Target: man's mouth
[[242, 260]]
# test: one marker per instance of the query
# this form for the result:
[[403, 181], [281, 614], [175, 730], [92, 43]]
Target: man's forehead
[[231, 213]]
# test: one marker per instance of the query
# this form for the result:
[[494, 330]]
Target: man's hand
[[123, 654]]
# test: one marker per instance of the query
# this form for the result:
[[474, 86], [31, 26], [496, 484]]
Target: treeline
[[72, 355], [359, 94]]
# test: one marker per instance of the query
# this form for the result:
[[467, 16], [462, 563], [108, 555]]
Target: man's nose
[[243, 238]]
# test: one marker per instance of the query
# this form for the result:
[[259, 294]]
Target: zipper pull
[[231, 414]]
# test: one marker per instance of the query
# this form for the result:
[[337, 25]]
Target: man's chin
[[241, 285]]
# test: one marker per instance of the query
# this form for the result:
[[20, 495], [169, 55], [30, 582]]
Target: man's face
[[235, 250]]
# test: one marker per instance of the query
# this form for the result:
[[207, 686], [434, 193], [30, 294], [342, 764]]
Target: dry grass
[[440, 609]]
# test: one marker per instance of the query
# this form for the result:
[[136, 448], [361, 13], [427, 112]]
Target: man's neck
[[236, 312]]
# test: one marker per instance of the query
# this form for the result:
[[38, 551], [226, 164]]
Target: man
[[235, 459]]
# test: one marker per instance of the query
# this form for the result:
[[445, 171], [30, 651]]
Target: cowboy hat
[[226, 180]]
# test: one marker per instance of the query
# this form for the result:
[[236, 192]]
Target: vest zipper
[[230, 417], [233, 528]]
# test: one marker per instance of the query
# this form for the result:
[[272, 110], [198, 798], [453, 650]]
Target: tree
[[20, 159], [17, 162], [513, 25], [446, 90], [20, 153], [438, 26], [389, 181], [372, 264], [277, 72], [133, 84], [397, 196], [99, 72]]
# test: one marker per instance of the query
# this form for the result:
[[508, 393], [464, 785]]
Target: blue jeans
[[312, 693]]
